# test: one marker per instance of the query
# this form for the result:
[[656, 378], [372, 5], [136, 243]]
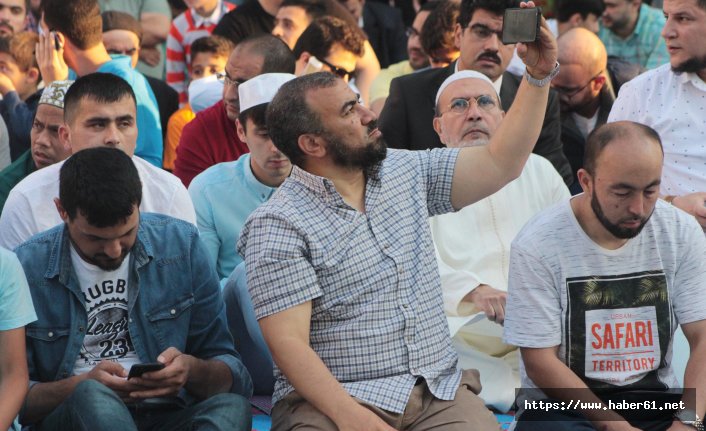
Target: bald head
[[581, 47]]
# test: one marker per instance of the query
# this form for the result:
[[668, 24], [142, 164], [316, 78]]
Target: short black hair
[[277, 57], [100, 87], [78, 20], [469, 7], [289, 115], [102, 183], [320, 36], [565, 9], [257, 114], [602, 136], [437, 35], [313, 8], [212, 44]]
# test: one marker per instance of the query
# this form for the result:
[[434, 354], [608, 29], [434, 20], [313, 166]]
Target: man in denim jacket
[[113, 288]]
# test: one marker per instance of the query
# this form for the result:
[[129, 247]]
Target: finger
[[490, 312], [500, 316], [112, 368], [168, 355]]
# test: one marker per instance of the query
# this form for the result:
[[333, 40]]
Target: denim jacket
[[174, 300]]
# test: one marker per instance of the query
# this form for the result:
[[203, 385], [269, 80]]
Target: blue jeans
[[93, 406]]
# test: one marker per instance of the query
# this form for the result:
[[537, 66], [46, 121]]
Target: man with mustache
[[13, 16], [340, 264], [672, 100], [473, 244], [597, 286], [406, 120]]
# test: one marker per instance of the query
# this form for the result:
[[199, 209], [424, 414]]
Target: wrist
[[540, 78]]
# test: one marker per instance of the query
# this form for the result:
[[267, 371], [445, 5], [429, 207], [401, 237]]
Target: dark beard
[[692, 65], [615, 229], [357, 158]]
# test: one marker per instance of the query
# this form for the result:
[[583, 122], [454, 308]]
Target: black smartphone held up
[[139, 369], [521, 25]]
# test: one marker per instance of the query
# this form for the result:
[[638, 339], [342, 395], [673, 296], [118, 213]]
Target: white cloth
[[107, 335], [585, 125], [675, 106], [612, 313], [30, 208], [473, 247]]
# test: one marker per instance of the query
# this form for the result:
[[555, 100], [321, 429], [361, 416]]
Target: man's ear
[[62, 212], [437, 128], [458, 34], [241, 131], [65, 136], [575, 20], [585, 180], [598, 83], [312, 145], [33, 75]]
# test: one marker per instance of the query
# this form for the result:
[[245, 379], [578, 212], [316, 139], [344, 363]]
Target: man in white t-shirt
[[597, 287], [672, 100], [100, 111], [473, 244]]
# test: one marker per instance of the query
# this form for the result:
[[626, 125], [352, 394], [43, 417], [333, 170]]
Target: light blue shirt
[[224, 195], [16, 309], [149, 128]]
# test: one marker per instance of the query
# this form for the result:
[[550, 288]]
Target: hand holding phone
[[521, 25], [138, 370]]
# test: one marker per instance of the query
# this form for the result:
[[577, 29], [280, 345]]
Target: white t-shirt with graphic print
[[107, 336]]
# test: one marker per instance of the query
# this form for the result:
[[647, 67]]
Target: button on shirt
[[645, 46], [377, 318], [224, 195], [675, 106]]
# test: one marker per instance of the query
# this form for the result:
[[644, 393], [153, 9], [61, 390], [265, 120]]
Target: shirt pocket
[[171, 322], [47, 347]]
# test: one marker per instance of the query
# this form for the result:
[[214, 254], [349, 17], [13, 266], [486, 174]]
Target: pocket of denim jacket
[[172, 311], [46, 334]]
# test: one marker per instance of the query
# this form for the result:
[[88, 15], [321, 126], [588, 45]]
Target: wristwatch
[[544, 81], [689, 417]]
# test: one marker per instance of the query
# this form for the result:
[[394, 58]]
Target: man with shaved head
[[472, 244], [585, 92]]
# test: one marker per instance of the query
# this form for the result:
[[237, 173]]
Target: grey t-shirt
[[612, 313]]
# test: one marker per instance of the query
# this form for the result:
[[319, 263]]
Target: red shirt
[[208, 139]]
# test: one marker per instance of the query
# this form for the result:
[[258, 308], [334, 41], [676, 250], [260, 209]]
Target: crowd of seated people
[[208, 203]]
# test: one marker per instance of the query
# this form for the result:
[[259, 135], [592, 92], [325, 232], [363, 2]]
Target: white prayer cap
[[204, 93], [463, 74], [54, 93], [261, 89]]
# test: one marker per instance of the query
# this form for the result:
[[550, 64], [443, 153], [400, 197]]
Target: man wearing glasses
[[211, 137], [406, 120], [585, 92], [473, 244]]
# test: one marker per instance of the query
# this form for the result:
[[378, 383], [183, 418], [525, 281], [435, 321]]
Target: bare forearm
[[43, 398], [13, 388], [695, 377], [208, 377]]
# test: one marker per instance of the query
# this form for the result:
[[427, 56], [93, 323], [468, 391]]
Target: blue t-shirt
[[16, 309], [149, 129]]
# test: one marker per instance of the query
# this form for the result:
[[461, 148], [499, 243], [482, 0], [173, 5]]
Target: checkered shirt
[[645, 46], [377, 318]]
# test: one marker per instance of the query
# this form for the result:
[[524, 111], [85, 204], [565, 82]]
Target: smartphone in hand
[[138, 370]]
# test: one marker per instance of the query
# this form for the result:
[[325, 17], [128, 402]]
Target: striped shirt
[[185, 29], [377, 318], [645, 46]]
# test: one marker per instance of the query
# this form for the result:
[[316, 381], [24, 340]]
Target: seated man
[[138, 288], [99, 111], [597, 286], [473, 244], [16, 311], [224, 195], [211, 137], [46, 148], [340, 264]]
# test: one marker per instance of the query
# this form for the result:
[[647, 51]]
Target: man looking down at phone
[[406, 120], [114, 288], [340, 264], [597, 287]]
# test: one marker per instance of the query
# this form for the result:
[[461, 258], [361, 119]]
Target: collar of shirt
[[200, 21], [255, 186], [496, 84], [324, 186], [694, 79]]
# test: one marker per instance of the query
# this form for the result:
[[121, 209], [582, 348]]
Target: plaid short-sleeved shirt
[[377, 316], [645, 46]]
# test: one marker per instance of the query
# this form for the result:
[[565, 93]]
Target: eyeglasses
[[460, 105], [129, 52], [411, 31], [483, 32], [571, 92], [338, 71], [227, 80]]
